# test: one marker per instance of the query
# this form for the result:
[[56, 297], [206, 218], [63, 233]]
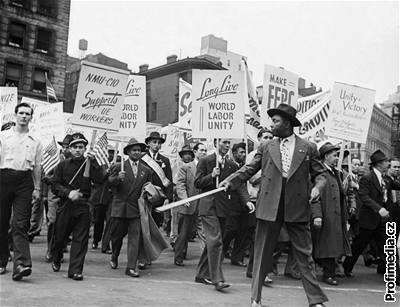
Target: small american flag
[[51, 157], [50, 89], [100, 150]]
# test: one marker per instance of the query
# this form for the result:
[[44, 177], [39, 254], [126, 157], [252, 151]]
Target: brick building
[[73, 68], [33, 41], [162, 86]]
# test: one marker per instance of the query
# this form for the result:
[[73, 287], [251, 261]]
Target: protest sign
[[312, 112], [8, 101], [350, 112], [49, 122], [218, 103], [174, 141], [133, 118], [280, 86], [185, 104], [253, 120], [150, 127], [100, 97]]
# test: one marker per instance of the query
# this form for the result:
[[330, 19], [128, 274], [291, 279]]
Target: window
[[47, 7], [153, 115], [13, 74], [16, 34], [39, 80], [43, 41]]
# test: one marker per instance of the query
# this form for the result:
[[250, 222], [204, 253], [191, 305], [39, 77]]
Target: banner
[[185, 104], [100, 97], [133, 118], [49, 122], [174, 141], [253, 121], [350, 112], [8, 101], [280, 86], [218, 103], [312, 112]]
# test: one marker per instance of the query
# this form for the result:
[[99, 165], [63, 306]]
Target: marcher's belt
[[13, 171]]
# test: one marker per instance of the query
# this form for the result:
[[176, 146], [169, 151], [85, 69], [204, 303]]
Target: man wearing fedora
[[161, 166], [375, 194], [127, 188], [72, 183], [329, 217], [287, 163], [184, 189]]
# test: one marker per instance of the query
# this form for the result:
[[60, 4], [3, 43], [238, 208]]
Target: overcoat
[[185, 187]]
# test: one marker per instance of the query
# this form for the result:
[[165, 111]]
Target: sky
[[323, 42]]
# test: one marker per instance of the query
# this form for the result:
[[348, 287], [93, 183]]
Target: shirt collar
[[378, 174], [290, 138]]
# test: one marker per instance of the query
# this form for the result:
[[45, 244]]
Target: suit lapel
[[299, 153], [128, 171], [376, 182], [192, 169], [275, 153], [139, 178]]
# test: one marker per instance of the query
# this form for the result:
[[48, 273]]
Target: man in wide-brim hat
[[186, 153], [154, 135], [132, 142], [287, 163]]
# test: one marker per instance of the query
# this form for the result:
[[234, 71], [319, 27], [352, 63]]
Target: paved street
[[165, 284]]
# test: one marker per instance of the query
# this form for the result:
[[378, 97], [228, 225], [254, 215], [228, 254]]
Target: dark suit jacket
[[166, 166], [126, 193], [185, 187], [219, 204], [371, 196], [304, 169]]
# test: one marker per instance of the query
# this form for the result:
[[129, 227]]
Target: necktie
[[383, 185], [222, 162], [134, 168], [285, 157]]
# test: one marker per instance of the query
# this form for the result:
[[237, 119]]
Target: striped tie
[[285, 157]]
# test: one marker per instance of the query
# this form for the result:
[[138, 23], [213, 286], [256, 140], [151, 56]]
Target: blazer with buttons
[[305, 168]]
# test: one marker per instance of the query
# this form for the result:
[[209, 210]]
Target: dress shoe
[[347, 272], [21, 271], [201, 280], [249, 275], [9, 258], [330, 281], [267, 281], [179, 263], [239, 263], [141, 266], [293, 275], [275, 269], [132, 272], [219, 286], [107, 251], [228, 255], [114, 262], [255, 304], [56, 266], [76, 276], [317, 305], [49, 257], [2, 270], [95, 245]]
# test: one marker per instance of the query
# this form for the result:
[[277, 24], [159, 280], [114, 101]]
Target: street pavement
[[164, 284]]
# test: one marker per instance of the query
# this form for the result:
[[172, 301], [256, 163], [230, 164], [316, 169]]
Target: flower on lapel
[[163, 165]]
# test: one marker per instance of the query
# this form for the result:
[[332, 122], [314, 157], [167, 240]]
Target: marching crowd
[[285, 196]]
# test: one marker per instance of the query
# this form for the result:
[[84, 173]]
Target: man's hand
[[318, 222], [251, 207], [383, 212], [314, 193], [91, 155], [187, 205], [121, 175], [216, 172], [166, 202], [226, 185], [74, 195], [35, 195]]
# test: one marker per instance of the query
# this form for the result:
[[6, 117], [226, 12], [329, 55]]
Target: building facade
[[33, 43], [162, 86]]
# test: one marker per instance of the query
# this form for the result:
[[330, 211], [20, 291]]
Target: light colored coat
[[185, 187]]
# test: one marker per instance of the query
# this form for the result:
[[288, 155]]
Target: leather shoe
[[21, 271], [255, 304], [141, 266], [2, 270], [49, 257], [201, 280], [317, 305], [56, 266], [107, 251], [239, 263], [219, 286], [267, 281], [347, 272], [114, 262], [330, 281], [179, 263], [76, 276], [95, 245], [132, 272], [249, 275], [293, 275]]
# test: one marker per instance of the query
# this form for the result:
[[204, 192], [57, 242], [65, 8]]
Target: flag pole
[[47, 94]]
